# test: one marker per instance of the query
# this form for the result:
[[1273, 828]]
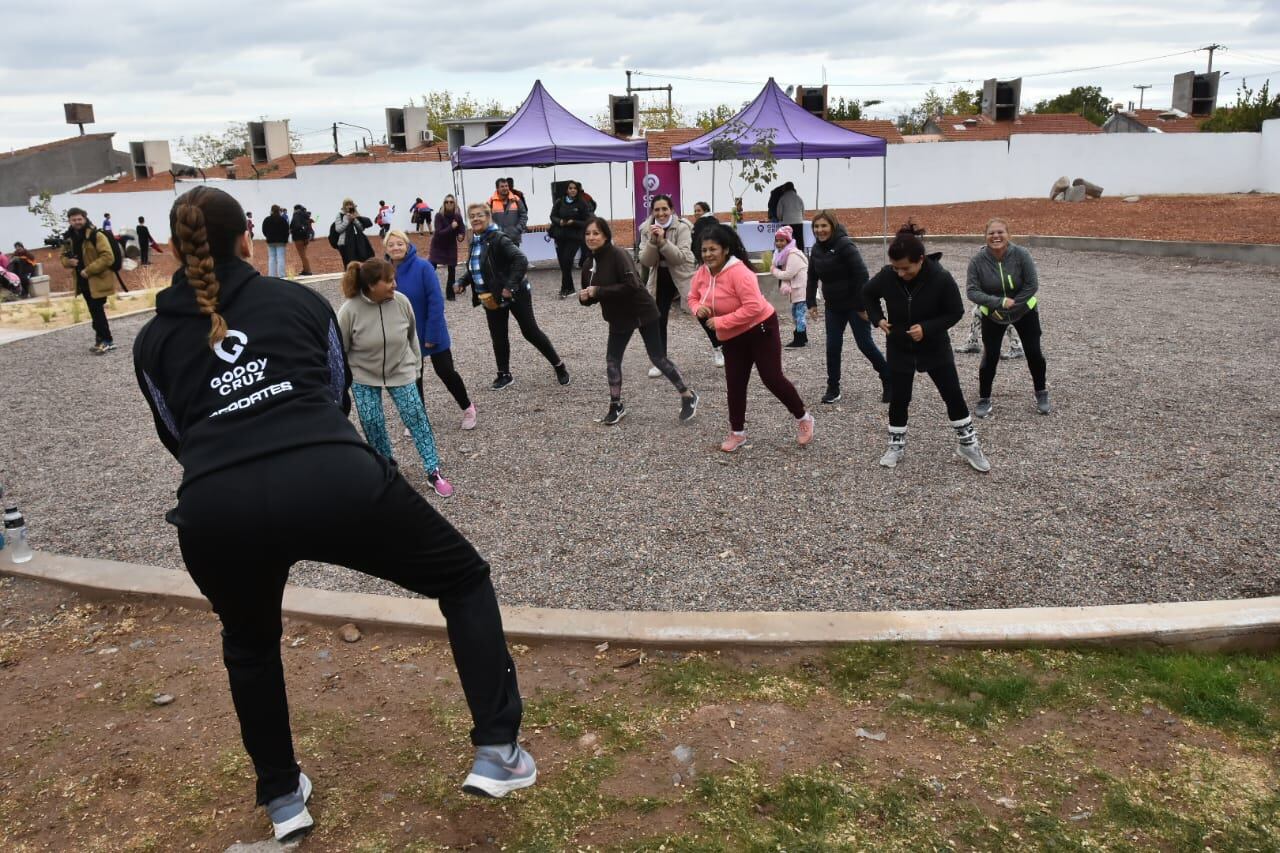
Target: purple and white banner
[[656, 177]]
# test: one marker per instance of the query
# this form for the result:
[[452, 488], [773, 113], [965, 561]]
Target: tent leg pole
[[817, 193], [611, 210], [884, 200]]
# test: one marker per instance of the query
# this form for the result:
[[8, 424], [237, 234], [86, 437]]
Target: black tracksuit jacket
[[278, 381], [931, 299]]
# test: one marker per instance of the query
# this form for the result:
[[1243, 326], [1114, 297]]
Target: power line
[[918, 83], [1257, 58]]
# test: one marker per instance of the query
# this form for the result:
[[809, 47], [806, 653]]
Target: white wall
[[1271, 156], [918, 174]]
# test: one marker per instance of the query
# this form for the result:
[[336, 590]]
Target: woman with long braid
[[249, 389]]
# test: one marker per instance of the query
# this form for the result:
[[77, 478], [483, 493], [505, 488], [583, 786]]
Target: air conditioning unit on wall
[[426, 136]]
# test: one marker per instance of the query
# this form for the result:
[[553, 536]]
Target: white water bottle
[[15, 532]]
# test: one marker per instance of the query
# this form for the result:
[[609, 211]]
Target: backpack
[[333, 234], [300, 225], [117, 256]]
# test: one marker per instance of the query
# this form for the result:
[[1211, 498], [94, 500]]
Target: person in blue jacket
[[416, 279]]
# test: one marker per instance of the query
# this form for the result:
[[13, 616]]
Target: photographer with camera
[[88, 252], [346, 234]]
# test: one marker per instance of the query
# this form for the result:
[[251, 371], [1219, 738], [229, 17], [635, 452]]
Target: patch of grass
[[697, 678], [76, 309], [1235, 692], [818, 811], [861, 670], [618, 726], [550, 815]]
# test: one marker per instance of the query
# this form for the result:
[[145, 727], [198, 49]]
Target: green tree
[[442, 105], [43, 210], [210, 149], [758, 169], [931, 105], [842, 110], [1087, 101], [1247, 115], [716, 116], [964, 103]]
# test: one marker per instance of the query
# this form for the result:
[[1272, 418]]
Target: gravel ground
[[1155, 479]]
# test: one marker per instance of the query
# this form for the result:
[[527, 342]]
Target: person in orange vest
[[508, 210]]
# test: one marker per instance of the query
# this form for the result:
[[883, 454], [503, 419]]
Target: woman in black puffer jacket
[[835, 262]]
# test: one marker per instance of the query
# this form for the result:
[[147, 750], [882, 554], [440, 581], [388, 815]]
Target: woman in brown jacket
[[610, 278]]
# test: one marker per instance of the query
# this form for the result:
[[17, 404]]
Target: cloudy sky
[[155, 71]]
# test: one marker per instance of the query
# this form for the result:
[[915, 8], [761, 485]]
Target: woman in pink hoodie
[[726, 293]]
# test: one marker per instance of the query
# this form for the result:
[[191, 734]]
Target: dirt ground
[[1251, 218], [658, 749]]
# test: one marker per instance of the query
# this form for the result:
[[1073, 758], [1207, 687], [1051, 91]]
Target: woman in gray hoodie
[[380, 336], [1003, 283]]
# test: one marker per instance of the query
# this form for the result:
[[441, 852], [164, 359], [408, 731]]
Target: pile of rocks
[[1065, 189]]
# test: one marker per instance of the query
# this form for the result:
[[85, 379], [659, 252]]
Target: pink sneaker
[[804, 429], [733, 441], [469, 417], [442, 486]]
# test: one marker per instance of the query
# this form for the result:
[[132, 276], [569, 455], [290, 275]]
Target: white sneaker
[[973, 454], [717, 355], [654, 373], [893, 455], [289, 815]]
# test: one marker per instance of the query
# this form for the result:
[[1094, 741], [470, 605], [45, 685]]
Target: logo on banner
[[651, 182]]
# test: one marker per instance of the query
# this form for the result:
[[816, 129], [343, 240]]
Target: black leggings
[[653, 345], [453, 276], [944, 376], [567, 249], [1028, 327], [522, 307], [442, 362], [667, 296], [241, 528]]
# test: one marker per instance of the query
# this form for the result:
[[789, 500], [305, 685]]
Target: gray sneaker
[[982, 409], [893, 455], [1042, 402], [1013, 354], [969, 346], [289, 815], [972, 453], [499, 770]]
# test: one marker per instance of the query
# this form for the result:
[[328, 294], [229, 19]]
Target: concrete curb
[[8, 336], [1263, 254], [1200, 625]]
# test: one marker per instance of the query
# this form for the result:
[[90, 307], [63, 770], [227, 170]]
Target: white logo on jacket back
[[231, 354]]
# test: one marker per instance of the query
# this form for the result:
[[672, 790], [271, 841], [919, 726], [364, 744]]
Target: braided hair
[[207, 225]]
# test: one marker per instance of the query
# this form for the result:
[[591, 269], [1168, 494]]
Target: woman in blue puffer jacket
[[416, 279]]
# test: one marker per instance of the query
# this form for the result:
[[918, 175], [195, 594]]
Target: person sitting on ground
[[791, 269], [920, 302], [1003, 283], [610, 278], [495, 273], [380, 337], [23, 264], [416, 279], [726, 293], [275, 473]]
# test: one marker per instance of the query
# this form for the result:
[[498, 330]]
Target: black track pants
[[242, 528]]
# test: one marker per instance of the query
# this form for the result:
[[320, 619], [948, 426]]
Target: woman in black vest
[[568, 216]]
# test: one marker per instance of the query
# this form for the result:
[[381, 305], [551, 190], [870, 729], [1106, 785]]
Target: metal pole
[[884, 198], [817, 192]]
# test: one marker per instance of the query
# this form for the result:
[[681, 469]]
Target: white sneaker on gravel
[[654, 373], [717, 356]]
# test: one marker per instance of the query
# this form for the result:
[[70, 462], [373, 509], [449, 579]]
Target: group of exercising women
[[250, 382]]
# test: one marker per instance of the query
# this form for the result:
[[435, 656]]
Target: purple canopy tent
[[797, 135], [543, 133]]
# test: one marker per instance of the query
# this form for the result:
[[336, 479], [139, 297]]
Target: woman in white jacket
[[666, 251], [791, 269]]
